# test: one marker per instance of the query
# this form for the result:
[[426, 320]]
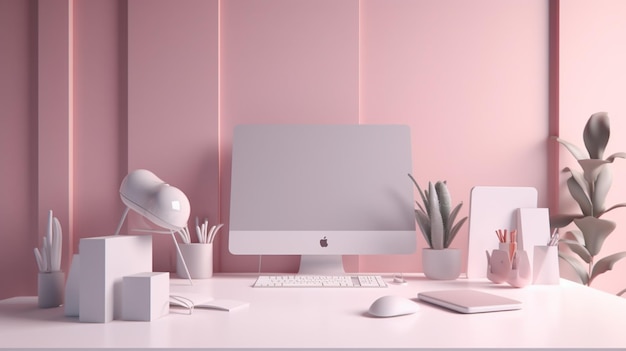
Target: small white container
[[50, 289], [199, 260], [546, 265]]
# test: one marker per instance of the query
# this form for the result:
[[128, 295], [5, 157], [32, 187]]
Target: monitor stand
[[321, 265]]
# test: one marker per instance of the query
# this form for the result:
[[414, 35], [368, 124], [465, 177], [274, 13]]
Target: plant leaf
[[455, 229], [424, 223], [573, 149], [419, 206], [577, 235], [623, 204], [578, 249], [596, 134], [422, 195], [444, 205], [562, 220], [578, 267], [580, 179], [616, 155], [455, 212], [601, 190], [605, 264], [436, 222], [595, 231], [591, 168], [579, 195]]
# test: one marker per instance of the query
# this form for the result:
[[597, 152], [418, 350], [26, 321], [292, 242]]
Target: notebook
[[199, 300], [469, 301]]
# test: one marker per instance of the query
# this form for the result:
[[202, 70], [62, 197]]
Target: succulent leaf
[[424, 223], [435, 217], [436, 221], [454, 231], [422, 195], [596, 134], [444, 201], [455, 212]]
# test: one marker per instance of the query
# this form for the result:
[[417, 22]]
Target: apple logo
[[324, 242]]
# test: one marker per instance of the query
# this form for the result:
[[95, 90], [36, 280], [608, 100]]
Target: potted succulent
[[436, 220], [589, 189]]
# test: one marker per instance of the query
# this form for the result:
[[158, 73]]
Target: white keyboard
[[320, 281]]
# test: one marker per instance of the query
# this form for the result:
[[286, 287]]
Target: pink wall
[[160, 84], [18, 147], [172, 119], [441, 68]]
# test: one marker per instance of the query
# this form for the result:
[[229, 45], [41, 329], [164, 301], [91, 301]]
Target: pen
[[554, 237]]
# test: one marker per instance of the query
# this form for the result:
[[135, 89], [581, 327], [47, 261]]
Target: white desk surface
[[566, 315]]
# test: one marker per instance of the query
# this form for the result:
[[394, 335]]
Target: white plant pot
[[441, 264], [50, 289]]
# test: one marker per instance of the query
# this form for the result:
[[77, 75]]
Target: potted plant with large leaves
[[589, 188], [436, 219]]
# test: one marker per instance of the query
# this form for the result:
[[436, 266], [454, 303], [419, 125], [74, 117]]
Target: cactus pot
[[441, 264]]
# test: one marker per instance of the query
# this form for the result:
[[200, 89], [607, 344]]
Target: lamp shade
[[162, 204]]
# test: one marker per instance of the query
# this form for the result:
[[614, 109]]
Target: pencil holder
[[546, 265], [199, 260], [521, 273], [50, 289], [501, 269]]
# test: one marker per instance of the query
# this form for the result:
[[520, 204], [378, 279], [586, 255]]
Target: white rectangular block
[[72, 288], [145, 296], [104, 261], [533, 226]]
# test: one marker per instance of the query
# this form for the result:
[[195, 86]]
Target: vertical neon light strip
[[553, 105], [70, 124], [219, 108], [219, 127], [358, 63]]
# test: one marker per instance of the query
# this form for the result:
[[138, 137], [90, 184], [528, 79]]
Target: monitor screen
[[321, 190]]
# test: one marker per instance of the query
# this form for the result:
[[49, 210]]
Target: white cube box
[[145, 296], [104, 261]]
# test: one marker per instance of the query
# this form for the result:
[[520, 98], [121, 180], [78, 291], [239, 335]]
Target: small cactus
[[436, 217]]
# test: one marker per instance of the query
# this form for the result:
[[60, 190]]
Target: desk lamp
[[162, 204]]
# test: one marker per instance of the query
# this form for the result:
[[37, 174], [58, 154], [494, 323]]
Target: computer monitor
[[321, 191]]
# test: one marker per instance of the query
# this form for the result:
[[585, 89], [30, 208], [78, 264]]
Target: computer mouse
[[392, 306]]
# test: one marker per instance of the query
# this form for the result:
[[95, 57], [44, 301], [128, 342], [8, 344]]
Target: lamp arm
[[182, 258], [119, 226]]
